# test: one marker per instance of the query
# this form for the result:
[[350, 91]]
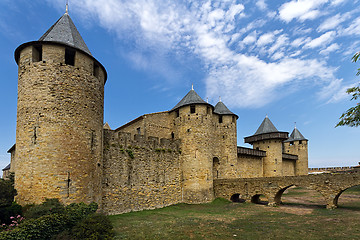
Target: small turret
[[268, 138], [297, 144], [193, 125], [226, 150]]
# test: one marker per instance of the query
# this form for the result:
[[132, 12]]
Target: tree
[[7, 191], [352, 116]]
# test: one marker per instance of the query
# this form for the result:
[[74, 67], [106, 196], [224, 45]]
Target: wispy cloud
[[245, 64]]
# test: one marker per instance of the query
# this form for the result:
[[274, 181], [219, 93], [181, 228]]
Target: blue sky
[[288, 59]]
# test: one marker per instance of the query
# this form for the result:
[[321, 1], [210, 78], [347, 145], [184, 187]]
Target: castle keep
[[64, 151]]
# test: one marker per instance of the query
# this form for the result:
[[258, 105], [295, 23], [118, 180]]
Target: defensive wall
[[329, 185], [139, 173]]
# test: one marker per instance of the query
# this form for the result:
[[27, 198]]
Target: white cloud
[[322, 40], [301, 9], [210, 31], [265, 39], [329, 49], [261, 4], [353, 29]]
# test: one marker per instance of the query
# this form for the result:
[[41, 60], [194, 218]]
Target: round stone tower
[[297, 144], [226, 148], [194, 126], [59, 118], [268, 138]]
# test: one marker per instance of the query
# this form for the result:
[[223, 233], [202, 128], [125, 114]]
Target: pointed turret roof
[[221, 109], [295, 136], [65, 32], [190, 98], [267, 130], [266, 127], [7, 167]]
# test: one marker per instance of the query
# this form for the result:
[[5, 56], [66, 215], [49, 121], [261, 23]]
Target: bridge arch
[[278, 195], [256, 199], [237, 198], [336, 198]]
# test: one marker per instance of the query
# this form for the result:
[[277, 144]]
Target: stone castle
[[63, 150]]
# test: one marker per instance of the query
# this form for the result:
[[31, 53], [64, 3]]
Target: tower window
[[96, 70], [177, 113], [172, 135], [291, 143], [300, 142], [233, 119], [207, 110], [138, 131], [220, 119], [70, 56], [192, 108], [37, 53]]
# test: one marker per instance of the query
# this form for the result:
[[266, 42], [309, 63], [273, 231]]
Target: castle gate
[[330, 186]]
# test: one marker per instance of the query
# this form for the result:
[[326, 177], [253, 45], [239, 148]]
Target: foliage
[[95, 226], [50, 206], [6, 212], [131, 154], [352, 116], [45, 227], [7, 191], [15, 221]]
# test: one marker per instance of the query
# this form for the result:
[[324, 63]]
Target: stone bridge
[[330, 186]]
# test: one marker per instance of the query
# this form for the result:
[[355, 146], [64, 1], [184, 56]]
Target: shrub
[[7, 191], [45, 227], [6, 212], [50, 206], [94, 226]]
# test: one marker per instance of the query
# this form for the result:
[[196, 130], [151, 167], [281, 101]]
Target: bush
[[7, 191], [45, 227], [50, 206], [95, 226], [6, 212]]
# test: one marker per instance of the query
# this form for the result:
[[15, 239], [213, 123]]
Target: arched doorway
[[216, 166]]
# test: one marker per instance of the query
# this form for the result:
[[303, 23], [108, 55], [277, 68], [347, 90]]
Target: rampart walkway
[[330, 186]]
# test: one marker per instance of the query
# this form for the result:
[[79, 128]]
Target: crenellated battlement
[[127, 140]]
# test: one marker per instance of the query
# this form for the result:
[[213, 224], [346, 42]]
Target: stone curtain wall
[[139, 173]]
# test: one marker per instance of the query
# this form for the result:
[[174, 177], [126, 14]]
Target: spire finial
[[267, 116], [219, 98], [192, 86], [67, 7], [295, 124], [207, 100]]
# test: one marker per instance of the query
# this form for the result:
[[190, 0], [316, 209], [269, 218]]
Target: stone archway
[[236, 198], [216, 167]]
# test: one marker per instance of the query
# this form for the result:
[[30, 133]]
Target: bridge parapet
[[330, 186]]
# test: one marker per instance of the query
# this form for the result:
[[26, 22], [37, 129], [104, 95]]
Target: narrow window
[[37, 53], [220, 119], [207, 110], [96, 70], [138, 130], [291, 143], [69, 56], [300, 142], [177, 113], [233, 119], [192, 108], [172, 135]]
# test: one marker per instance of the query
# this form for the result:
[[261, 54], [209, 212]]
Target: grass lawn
[[222, 219]]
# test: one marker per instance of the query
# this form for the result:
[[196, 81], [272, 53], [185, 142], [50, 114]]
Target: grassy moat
[[302, 216]]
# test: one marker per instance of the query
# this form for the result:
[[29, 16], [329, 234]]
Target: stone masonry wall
[[288, 167], [59, 127], [139, 173], [250, 167]]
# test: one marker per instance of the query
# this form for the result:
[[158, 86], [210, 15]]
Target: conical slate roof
[[266, 127], [295, 136], [221, 109], [7, 167], [190, 98], [65, 32]]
